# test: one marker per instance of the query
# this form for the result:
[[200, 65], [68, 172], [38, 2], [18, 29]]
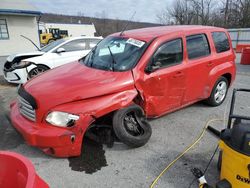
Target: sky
[[146, 10]]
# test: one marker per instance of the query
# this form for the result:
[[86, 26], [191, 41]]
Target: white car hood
[[13, 56]]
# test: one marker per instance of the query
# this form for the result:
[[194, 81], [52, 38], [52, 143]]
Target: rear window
[[221, 42], [197, 46]]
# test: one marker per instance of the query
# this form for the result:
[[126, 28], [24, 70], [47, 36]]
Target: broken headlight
[[61, 119]]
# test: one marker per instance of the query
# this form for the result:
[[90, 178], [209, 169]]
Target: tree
[[225, 13]]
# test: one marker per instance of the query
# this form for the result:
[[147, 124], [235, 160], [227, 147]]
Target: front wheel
[[131, 126], [219, 92], [39, 69]]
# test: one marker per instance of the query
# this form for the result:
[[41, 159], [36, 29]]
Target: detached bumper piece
[[18, 171]]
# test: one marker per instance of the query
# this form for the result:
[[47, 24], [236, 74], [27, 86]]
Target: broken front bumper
[[56, 141], [17, 76]]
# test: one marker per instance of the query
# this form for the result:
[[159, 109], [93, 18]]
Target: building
[[17, 17], [72, 30]]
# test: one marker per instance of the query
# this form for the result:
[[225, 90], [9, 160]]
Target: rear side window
[[76, 45], [197, 46], [93, 42], [169, 53], [221, 42]]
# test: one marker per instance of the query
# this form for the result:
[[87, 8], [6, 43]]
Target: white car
[[21, 67]]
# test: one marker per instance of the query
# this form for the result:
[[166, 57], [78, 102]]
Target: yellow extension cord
[[185, 151]]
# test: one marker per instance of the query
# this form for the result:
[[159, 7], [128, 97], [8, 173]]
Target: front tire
[[131, 126], [39, 69], [219, 92]]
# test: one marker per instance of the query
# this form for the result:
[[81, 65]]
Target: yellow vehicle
[[234, 158], [51, 35]]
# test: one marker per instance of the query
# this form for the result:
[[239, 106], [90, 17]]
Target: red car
[[126, 78]]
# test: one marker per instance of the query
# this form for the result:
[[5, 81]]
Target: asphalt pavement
[[2, 61]]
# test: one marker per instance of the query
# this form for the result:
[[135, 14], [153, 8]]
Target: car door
[[71, 51], [164, 81], [199, 64]]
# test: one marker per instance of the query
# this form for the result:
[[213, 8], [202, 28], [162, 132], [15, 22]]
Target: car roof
[[147, 34]]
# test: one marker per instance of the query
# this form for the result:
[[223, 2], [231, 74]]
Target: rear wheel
[[39, 69], [131, 126], [219, 92]]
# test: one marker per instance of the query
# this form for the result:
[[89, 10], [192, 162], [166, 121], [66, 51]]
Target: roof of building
[[18, 7], [149, 33]]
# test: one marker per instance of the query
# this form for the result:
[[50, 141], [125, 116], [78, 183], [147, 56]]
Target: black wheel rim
[[132, 124], [36, 72]]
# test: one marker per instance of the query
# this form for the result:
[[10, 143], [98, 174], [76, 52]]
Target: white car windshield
[[52, 45], [115, 54]]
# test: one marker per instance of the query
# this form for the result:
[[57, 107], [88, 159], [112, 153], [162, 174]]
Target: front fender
[[99, 106]]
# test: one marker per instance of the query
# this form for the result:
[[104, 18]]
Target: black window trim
[[214, 42], [163, 43], [200, 57], [6, 29]]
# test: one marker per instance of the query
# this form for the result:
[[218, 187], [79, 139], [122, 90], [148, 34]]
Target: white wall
[[74, 30], [19, 25]]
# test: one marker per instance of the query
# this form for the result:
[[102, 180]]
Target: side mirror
[[60, 50], [155, 66]]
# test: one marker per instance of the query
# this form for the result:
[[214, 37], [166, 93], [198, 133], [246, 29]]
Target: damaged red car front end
[[30, 115]]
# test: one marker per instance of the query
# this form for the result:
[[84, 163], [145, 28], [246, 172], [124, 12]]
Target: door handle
[[178, 74], [210, 63]]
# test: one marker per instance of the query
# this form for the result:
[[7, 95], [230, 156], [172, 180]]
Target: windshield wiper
[[113, 59]]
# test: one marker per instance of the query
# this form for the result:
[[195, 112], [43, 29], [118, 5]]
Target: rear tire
[[131, 126], [39, 69], [219, 92]]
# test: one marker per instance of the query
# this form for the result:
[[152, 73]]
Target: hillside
[[103, 26]]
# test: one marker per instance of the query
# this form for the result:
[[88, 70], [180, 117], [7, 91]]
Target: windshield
[[52, 45], [115, 54]]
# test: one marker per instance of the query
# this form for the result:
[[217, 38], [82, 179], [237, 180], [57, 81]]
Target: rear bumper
[[52, 140]]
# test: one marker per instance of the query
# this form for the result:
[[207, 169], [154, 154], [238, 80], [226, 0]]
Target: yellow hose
[[185, 151]]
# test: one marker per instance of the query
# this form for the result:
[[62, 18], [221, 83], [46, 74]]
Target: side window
[[197, 46], [4, 34], [75, 45], [92, 43], [221, 42], [168, 54]]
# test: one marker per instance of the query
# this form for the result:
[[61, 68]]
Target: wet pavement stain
[[92, 158]]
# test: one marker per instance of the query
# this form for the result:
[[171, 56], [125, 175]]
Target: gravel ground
[[121, 166]]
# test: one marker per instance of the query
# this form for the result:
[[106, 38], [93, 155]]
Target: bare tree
[[181, 12], [226, 13]]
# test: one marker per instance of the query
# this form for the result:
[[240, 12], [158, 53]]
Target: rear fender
[[218, 71]]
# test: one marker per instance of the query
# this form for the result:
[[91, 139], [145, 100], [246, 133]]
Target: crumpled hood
[[75, 81], [29, 54]]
